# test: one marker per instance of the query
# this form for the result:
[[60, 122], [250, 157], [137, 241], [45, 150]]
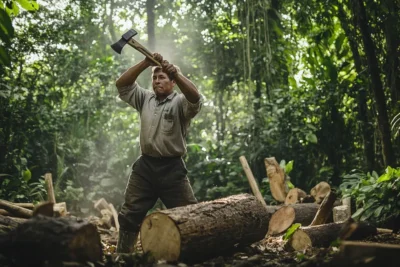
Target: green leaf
[[289, 167], [27, 175], [290, 185], [312, 138], [6, 24], [358, 213], [291, 231], [4, 57], [28, 4], [378, 211]]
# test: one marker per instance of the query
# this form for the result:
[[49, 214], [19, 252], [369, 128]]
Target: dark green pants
[[152, 178]]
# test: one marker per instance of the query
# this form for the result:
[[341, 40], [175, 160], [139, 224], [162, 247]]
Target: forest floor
[[268, 252]]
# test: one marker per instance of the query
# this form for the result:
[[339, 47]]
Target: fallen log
[[325, 209], [294, 196], [45, 238], [352, 251], [314, 236], [199, 231], [15, 210], [323, 235], [4, 212], [285, 216], [10, 221], [276, 178], [29, 206]]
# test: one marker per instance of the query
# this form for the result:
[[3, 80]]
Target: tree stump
[[284, 217], [206, 229], [44, 238]]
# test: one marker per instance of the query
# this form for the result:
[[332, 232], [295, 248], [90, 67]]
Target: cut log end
[[162, 237], [294, 196], [300, 241], [281, 220]]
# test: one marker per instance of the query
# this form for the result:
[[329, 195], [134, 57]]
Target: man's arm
[[131, 74], [186, 86]]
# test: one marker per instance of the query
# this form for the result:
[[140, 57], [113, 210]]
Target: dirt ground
[[268, 252]]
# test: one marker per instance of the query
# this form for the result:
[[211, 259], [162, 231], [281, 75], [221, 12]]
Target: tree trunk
[[284, 217], [43, 238], [150, 4], [392, 53], [362, 114], [206, 229], [377, 87]]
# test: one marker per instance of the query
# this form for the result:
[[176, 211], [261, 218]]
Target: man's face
[[162, 85]]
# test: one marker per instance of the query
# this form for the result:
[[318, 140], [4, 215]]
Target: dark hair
[[158, 68]]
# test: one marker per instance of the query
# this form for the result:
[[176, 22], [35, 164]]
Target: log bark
[[276, 179], [294, 196], [206, 229], [4, 212], [10, 221], [15, 210], [320, 191], [314, 236], [325, 209], [351, 251], [285, 216], [252, 181], [44, 238], [25, 205]]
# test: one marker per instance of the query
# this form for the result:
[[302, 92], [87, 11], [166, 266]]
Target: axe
[[127, 38]]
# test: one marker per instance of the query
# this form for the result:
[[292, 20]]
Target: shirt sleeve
[[134, 95], [191, 109]]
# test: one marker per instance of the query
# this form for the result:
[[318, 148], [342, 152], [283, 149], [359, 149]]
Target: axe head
[[117, 47]]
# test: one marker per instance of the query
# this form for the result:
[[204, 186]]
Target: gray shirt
[[164, 124]]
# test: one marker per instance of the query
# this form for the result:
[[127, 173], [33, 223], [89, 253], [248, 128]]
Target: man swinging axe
[[165, 115]]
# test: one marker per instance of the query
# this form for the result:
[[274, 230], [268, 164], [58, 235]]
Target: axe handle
[[143, 50]]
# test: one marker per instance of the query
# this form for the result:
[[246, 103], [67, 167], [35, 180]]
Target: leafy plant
[[291, 230], [376, 197]]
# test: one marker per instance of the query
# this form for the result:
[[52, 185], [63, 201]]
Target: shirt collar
[[169, 97]]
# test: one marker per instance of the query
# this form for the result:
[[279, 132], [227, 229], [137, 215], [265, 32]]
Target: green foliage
[[377, 197], [21, 189], [292, 229], [280, 78]]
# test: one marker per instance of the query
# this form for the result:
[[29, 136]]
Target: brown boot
[[126, 241]]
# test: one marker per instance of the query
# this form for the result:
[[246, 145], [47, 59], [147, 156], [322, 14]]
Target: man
[[160, 171]]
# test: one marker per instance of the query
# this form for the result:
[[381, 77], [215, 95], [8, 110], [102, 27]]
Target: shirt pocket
[[167, 122]]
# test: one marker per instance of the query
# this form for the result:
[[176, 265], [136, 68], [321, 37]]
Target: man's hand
[[157, 57], [169, 68]]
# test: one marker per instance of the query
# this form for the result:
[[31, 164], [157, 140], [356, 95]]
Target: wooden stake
[[252, 181], [115, 215], [50, 190], [325, 209]]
